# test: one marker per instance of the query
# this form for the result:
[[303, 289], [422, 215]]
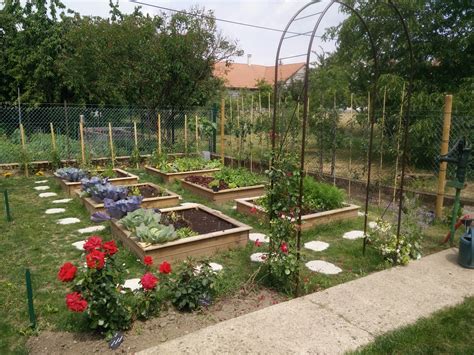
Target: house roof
[[245, 76]]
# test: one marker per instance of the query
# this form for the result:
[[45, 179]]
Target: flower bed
[[215, 232], [153, 197], [122, 178], [249, 207]]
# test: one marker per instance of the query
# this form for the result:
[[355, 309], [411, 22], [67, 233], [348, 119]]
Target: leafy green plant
[[320, 196], [140, 216], [187, 164], [214, 184], [192, 287], [135, 157], [239, 177], [185, 233], [155, 234]]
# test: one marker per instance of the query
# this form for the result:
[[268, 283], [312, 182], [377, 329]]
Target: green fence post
[[29, 293], [7, 206], [214, 134]]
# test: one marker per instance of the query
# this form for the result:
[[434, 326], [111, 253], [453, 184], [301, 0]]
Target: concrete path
[[340, 318]]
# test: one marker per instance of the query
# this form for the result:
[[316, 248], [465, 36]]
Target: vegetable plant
[[188, 164], [156, 233], [108, 191], [71, 174], [140, 216]]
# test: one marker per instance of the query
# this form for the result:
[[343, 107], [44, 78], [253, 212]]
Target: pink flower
[[284, 248], [258, 243], [149, 281]]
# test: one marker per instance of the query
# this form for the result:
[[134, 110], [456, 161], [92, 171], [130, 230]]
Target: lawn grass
[[33, 240], [449, 331]]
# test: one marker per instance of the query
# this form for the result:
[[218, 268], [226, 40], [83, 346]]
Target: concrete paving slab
[[340, 318]]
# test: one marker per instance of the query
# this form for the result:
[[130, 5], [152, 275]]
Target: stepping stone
[[373, 225], [91, 229], [79, 245], [69, 220], [316, 245], [323, 267], [352, 235], [48, 194], [259, 257], [64, 200], [55, 210], [41, 182], [41, 188], [260, 237], [214, 267], [234, 207], [132, 284], [361, 214]]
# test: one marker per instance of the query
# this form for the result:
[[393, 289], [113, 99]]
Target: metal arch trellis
[[375, 77]]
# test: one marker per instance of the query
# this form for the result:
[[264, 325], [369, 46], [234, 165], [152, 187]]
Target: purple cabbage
[[118, 209], [108, 191], [71, 174], [89, 185], [99, 217]]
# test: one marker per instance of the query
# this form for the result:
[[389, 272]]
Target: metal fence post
[[29, 294], [7, 206]]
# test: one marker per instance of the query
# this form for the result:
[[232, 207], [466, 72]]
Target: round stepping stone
[[260, 237], [41, 182], [48, 194], [91, 229], [214, 267], [361, 214], [64, 200], [259, 257], [323, 267], [69, 220], [79, 245], [352, 235], [132, 284], [55, 210], [316, 245], [373, 225], [41, 188]]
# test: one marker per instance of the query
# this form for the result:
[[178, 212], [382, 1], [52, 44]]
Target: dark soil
[[149, 191], [199, 221], [169, 325], [205, 180]]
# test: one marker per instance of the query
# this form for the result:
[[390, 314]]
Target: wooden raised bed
[[245, 206], [229, 234], [170, 177], [170, 199], [223, 195], [124, 178]]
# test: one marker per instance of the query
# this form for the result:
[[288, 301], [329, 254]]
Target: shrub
[[320, 196]]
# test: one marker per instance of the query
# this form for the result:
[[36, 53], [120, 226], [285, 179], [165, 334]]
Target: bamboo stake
[[23, 147], [398, 145], [350, 145], [186, 133], [250, 140], [53, 137], [197, 135], [232, 127], [382, 123], [158, 132], [111, 142], [222, 129], [333, 158], [448, 103], [134, 136], [81, 133]]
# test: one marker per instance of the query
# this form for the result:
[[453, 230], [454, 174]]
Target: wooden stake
[[53, 137], [350, 146], [382, 123], [111, 142], [81, 134], [197, 135], [222, 129], [186, 133], [398, 144], [158, 132], [250, 136], [259, 102], [448, 104], [23, 147], [134, 136]]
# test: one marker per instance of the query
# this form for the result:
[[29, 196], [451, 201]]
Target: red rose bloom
[[95, 259], [284, 248], [253, 209], [148, 281], [75, 302], [258, 243], [165, 268], [67, 272], [94, 242], [148, 260], [110, 248]]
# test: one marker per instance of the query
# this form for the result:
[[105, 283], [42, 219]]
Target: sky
[[261, 44]]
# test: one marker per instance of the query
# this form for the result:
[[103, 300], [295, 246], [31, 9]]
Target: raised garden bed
[[153, 197], [224, 193], [217, 232], [170, 177], [123, 178], [249, 207]]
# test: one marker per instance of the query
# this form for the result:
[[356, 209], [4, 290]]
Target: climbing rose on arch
[[95, 259], [75, 302], [94, 242], [67, 272]]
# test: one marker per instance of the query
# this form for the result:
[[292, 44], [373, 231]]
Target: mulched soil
[[169, 325], [205, 180], [199, 221]]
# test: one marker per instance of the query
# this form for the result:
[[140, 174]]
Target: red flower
[[258, 243], [253, 209], [289, 173], [165, 267], [75, 302], [95, 259], [148, 281], [148, 260], [110, 248], [67, 272], [94, 242], [284, 247]]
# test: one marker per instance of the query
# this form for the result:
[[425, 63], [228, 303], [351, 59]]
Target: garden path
[[340, 318]]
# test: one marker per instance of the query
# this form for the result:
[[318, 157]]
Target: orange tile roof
[[244, 76]]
